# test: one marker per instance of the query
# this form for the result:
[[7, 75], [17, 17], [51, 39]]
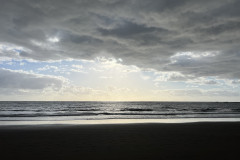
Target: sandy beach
[[205, 140]]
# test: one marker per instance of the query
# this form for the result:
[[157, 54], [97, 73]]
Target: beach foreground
[[205, 140]]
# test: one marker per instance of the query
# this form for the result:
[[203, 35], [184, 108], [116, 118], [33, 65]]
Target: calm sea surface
[[20, 111]]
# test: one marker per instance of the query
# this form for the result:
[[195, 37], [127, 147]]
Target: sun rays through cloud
[[120, 50]]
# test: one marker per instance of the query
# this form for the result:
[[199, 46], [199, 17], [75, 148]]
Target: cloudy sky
[[117, 50]]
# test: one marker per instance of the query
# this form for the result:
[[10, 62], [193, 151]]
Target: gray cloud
[[130, 29], [20, 80], [143, 33]]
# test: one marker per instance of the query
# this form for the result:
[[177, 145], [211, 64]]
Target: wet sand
[[206, 140]]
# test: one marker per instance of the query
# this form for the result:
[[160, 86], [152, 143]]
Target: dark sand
[[122, 141]]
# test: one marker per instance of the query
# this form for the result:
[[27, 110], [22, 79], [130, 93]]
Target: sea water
[[114, 111]]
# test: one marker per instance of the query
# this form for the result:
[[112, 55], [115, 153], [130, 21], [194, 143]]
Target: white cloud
[[12, 50], [47, 67], [145, 77], [77, 66], [170, 76], [105, 77], [236, 82], [191, 55], [53, 39]]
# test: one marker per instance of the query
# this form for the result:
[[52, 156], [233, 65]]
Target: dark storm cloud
[[230, 27], [20, 80], [148, 34], [130, 29]]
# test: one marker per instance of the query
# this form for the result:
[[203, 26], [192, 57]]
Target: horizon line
[[113, 101]]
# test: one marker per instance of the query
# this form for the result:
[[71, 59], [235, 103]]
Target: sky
[[120, 50]]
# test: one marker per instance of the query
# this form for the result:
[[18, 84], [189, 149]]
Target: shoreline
[[115, 121]]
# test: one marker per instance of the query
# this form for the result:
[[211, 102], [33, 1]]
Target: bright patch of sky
[[110, 79]]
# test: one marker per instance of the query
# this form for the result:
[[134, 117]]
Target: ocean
[[71, 111]]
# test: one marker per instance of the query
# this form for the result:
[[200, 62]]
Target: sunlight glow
[[53, 39]]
